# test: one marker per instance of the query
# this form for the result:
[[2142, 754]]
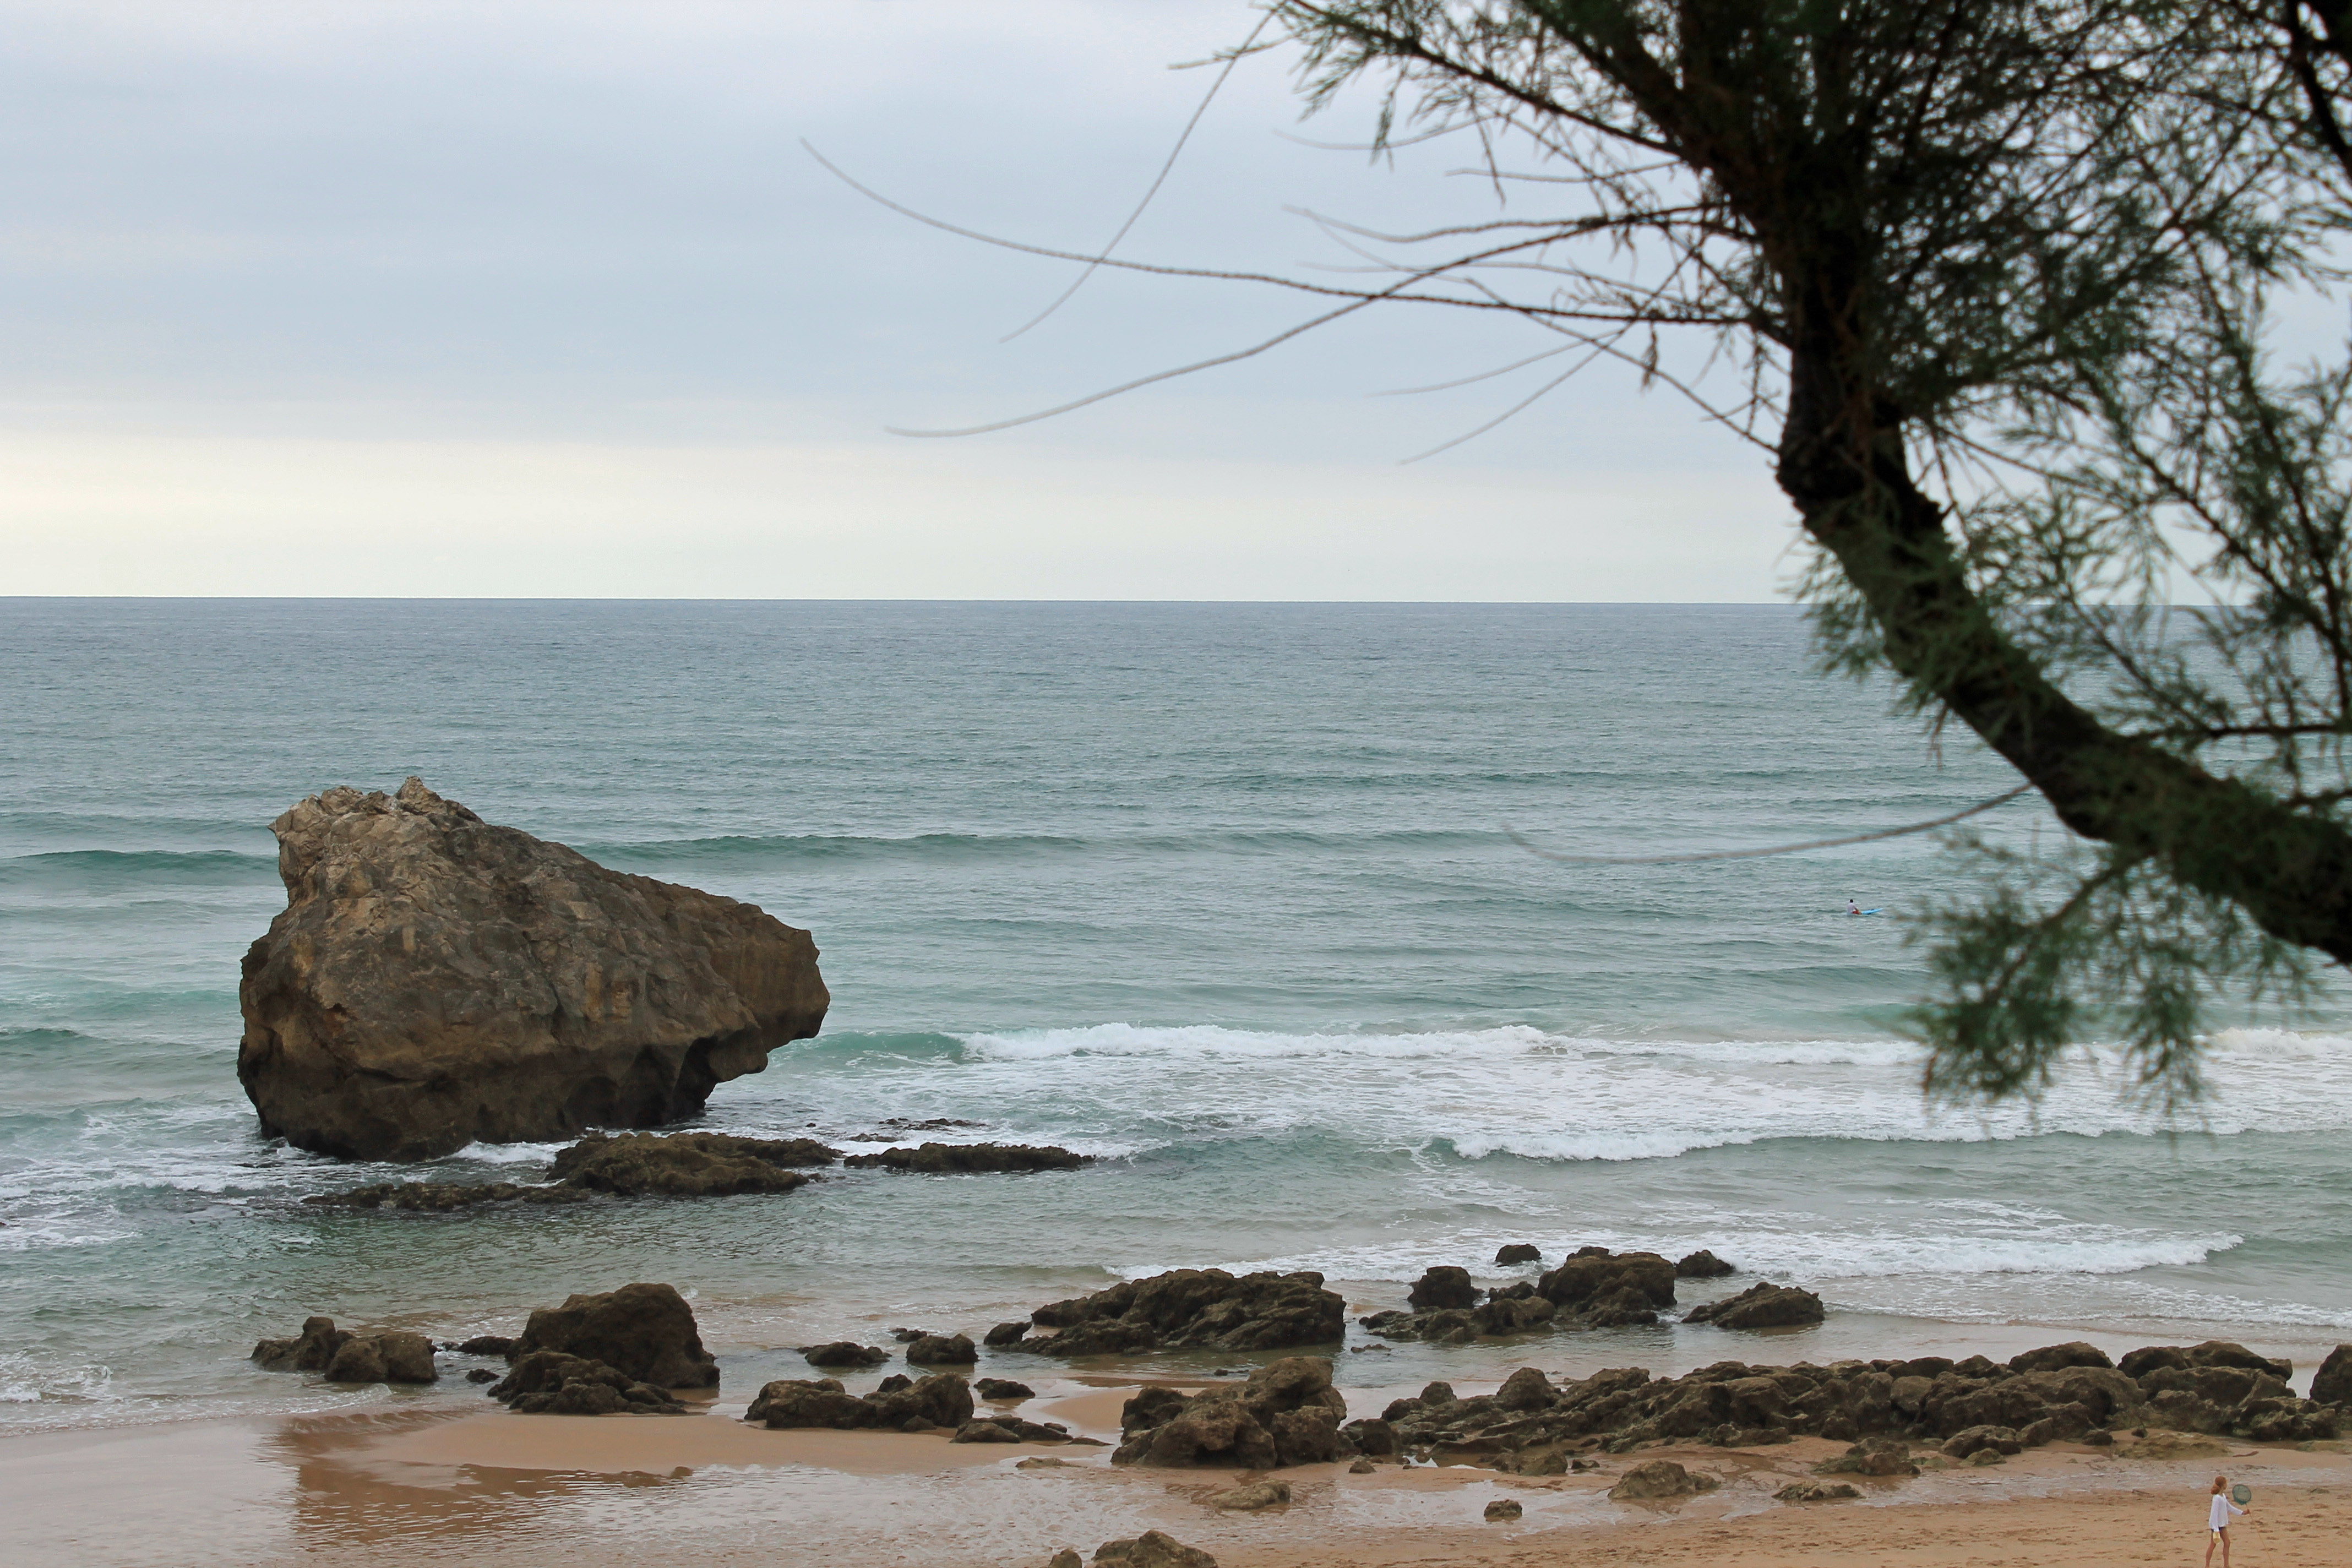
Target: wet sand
[[381, 1487]]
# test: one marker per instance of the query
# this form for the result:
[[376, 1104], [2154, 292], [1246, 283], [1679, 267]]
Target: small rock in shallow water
[[1003, 1388], [1066, 1558], [943, 1350], [1504, 1508], [945, 1159], [1042, 1462], [1986, 1456], [481, 1374], [1519, 1252], [1815, 1491], [1659, 1479], [1361, 1468], [1255, 1496], [1153, 1549], [1702, 1265], [845, 1352], [1761, 1306]]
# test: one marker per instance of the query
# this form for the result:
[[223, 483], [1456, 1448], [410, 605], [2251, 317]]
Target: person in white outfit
[[2217, 1522]]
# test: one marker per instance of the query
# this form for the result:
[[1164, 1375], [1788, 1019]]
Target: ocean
[[1223, 894]]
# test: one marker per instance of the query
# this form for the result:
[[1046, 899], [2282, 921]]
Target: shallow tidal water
[[1222, 894]]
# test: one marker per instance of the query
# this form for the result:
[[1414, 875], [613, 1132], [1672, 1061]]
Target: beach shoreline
[[368, 1486]]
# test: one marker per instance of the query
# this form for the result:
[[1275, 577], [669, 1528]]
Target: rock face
[[435, 980], [393, 1356], [548, 1383], [646, 1333], [2331, 1384], [688, 1164], [942, 1399], [1599, 1290], [1286, 1414], [1188, 1309], [941, 1159], [1444, 1286], [1761, 1306], [2053, 1394]]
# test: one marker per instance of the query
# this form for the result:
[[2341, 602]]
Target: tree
[[1996, 275]]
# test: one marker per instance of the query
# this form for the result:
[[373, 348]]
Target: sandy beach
[[383, 1486]]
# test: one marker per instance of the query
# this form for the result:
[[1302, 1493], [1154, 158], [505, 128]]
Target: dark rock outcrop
[[1702, 1265], [1600, 1290], [942, 1349], [1153, 1549], [1002, 1388], [2331, 1384], [1286, 1414], [1519, 1252], [484, 1345], [688, 1164], [1761, 1306], [942, 1399], [845, 1352], [2058, 1358], [1189, 1308], [342, 1356], [549, 1382], [646, 1333], [1871, 1457], [435, 980], [1442, 1287], [947, 1159], [1511, 1310], [1656, 1479]]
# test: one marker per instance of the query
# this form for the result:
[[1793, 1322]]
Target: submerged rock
[[1286, 1414], [1702, 1265], [1761, 1306], [688, 1164], [435, 980], [1511, 1310], [646, 1333], [441, 1198], [1519, 1252], [1189, 1308], [845, 1352], [950, 1158], [1444, 1286], [1003, 1388], [342, 1356]]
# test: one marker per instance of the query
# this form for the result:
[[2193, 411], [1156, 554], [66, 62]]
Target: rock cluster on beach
[[549, 1382], [1596, 1288], [901, 1404], [1186, 1309], [435, 980], [342, 1356], [1286, 1414], [2056, 1393], [679, 1165], [646, 1333]]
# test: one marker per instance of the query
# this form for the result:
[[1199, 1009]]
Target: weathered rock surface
[[943, 1350], [549, 1382], [1519, 1252], [1511, 1310], [1504, 1509], [344, 1356], [1002, 1388], [1815, 1491], [1871, 1457], [1761, 1306], [688, 1164], [2054, 1394], [1702, 1265], [1444, 1286], [845, 1352], [1153, 1549], [435, 980], [646, 1333], [940, 1158], [942, 1399], [1600, 1289], [1188, 1309], [2331, 1384], [1657, 1479], [1286, 1414], [1256, 1495]]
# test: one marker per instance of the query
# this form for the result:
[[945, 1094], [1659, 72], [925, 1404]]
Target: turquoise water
[[1220, 893]]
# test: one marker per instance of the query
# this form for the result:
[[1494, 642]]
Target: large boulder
[[1286, 1414], [688, 1164], [1600, 1289], [2331, 1384], [1190, 1309], [435, 980], [1761, 1306], [391, 1355], [549, 1382], [646, 1333]]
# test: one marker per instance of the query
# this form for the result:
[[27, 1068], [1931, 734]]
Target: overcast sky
[[545, 299]]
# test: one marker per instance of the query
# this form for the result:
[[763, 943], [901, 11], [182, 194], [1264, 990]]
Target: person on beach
[[2217, 1522]]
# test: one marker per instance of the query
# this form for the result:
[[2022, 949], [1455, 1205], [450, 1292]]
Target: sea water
[[1225, 895]]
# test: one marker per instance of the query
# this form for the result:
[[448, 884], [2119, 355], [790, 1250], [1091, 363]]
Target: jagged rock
[[1253, 1497], [1983, 1456], [942, 1399], [1967, 1444], [1286, 1414], [390, 1356], [1871, 1457], [908, 1336], [845, 1352], [1003, 1388], [441, 1198], [1504, 1508], [549, 1382], [1702, 1265], [1519, 1252], [480, 1374], [647, 1331], [1597, 1290], [1006, 1333], [1372, 1437], [943, 1350], [487, 1344], [1658, 1478], [1440, 1286], [2059, 1358], [1512, 1309], [950, 1158], [1153, 1549], [1189, 1308], [1815, 1491], [2331, 1384], [435, 980], [1761, 1306], [688, 1164], [2139, 1363]]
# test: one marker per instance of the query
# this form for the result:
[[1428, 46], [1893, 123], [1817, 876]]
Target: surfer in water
[[1851, 907]]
